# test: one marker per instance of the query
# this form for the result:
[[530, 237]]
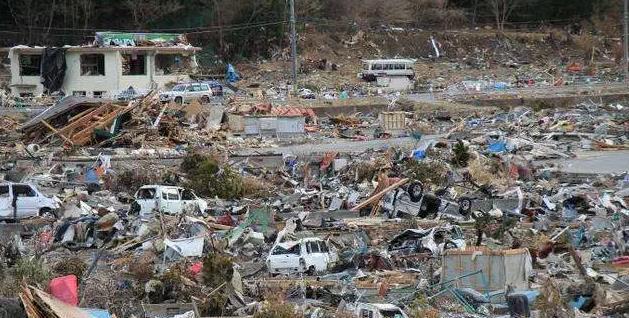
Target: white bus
[[392, 67]]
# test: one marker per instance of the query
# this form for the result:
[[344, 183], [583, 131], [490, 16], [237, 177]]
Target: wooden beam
[[55, 132], [376, 197]]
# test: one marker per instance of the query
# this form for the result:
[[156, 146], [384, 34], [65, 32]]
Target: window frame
[[31, 190], [98, 64], [130, 61], [21, 65]]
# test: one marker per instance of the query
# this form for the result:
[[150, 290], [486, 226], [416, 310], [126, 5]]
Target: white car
[[307, 255], [184, 93], [374, 310], [166, 199], [29, 202]]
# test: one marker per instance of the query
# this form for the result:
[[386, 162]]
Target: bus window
[[366, 66], [376, 67]]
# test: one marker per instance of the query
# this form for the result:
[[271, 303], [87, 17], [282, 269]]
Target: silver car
[[184, 93]]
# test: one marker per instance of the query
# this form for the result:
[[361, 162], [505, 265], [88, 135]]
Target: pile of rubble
[[447, 215]]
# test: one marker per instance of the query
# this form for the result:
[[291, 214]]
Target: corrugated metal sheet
[[278, 126], [499, 268], [392, 121]]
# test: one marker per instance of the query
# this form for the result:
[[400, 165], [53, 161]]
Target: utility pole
[[625, 64], [293, 43]]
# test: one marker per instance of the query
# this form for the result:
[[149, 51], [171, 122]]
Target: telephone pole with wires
[[625, 64], [293, 43]]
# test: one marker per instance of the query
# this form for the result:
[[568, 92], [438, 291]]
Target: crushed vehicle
[[307, 255], [433, 241], [184, 93], [23, 200], [378, 310], [413, 201], [166, 199]]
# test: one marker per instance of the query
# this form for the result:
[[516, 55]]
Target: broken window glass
[[4, 191], [148, 193], [133, 64], [279, 250], [30, 64], [92, 64], [21, 190], [187, 195], [166, 64]]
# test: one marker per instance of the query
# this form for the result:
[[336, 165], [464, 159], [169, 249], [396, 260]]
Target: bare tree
[[502, 10]]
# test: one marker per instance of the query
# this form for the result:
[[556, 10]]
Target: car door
[[188, 200], [315, 257], [189, 93], [171, 202], [27, 201], [285, 257]]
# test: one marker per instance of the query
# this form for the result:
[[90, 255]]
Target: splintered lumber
[[55, 132], [376, 197]]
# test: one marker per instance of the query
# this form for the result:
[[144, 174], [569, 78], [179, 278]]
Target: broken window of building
[[133, 64], [98, 94], [166, 64], [92, 64], [30, 64]]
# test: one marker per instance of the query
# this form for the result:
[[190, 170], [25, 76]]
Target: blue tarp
[[419, 154], [91, 176], [497, 147], [232, 76], [97, 313]]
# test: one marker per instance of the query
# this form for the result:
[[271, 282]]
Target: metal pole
[[293, 43], [626, 42]]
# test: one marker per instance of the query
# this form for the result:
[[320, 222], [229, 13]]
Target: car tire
[[205, 100], [179, 100], [465, 206], [311, 271], [415, 191], [47, 211]]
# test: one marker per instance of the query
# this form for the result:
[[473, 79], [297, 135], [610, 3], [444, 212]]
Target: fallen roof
[[62, 106]]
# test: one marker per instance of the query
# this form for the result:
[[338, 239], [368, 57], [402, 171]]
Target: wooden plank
[[85, 119], [376, 197], [81, 114], [55, 132]]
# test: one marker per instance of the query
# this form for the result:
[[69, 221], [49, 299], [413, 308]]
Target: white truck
[[166, 199], [23, 200], [375, 310], [307, 255]]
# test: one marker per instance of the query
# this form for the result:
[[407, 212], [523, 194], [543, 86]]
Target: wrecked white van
[[308, 255], [166, 199], [23, 200], [374, 310]]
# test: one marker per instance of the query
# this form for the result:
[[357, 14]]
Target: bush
[[428, 172], [217, 269], [461, 154], [32, 271], [207, 177], [276, 309]]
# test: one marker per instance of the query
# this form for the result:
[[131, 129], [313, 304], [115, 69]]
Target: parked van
[[393, 67], [307, 255], [166, 199], [374, 310], [29, 202]]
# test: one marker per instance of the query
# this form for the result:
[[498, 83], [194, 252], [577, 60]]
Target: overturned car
[[433, 241]]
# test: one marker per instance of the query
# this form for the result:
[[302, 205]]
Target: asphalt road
[[596, 162], [342, 146]]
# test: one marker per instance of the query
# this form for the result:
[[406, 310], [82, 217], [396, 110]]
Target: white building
[[104, 70]]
